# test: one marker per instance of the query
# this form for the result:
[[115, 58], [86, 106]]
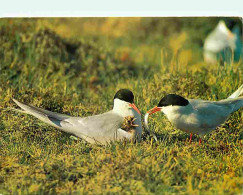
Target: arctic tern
[[101, 129], [197, 116]]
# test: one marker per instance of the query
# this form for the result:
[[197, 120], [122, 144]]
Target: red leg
[[190, 138], [200, 141]]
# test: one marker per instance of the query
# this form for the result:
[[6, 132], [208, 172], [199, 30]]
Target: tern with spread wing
[[100, 129], [197, 116]]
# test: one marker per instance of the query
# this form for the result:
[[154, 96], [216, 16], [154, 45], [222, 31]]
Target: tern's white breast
[[123, 109]]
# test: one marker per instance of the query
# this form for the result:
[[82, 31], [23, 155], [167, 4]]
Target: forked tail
[[237, 93], [51, 118]]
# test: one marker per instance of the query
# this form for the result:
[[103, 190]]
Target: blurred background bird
[[223, 44]]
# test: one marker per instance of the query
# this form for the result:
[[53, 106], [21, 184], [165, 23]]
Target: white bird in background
[[197, 116], [100, 129], [219, 41]]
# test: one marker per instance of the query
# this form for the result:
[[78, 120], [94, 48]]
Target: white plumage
[[220, 43]]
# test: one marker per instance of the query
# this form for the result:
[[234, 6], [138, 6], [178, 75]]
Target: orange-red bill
[[135, 108], [153, 110], [231, 35]]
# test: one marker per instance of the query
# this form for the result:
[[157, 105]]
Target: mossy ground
[[75, 66]]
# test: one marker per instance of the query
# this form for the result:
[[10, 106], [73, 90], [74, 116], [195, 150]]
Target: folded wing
[[99, 129]]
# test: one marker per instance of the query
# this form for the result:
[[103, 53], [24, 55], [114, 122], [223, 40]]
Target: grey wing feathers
[[49, 117], [95, 129], [223, 107], [235, 103], [100, 124], [99, 129]]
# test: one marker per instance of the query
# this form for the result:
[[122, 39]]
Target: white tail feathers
[[237, 93]]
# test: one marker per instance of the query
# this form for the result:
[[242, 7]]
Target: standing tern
[[100, 129], [195, 115]]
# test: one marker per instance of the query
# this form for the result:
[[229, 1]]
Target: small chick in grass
[[129, 125]]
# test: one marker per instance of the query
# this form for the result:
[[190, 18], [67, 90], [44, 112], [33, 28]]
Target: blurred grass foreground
[[75, 66]]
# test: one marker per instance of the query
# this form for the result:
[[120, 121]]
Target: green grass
[[56, 64]]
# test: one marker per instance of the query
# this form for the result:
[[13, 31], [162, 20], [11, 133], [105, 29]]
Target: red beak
[[135, 108], [153, 110]]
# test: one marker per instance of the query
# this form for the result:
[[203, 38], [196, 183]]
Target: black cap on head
[[125, 95], [174, 100]]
